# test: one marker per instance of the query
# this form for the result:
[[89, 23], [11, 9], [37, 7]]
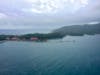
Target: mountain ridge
[[79, 29]]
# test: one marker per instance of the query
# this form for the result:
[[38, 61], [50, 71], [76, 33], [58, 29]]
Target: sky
[[47, 14]]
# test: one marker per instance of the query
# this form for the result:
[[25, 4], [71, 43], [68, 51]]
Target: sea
[[72, 55]]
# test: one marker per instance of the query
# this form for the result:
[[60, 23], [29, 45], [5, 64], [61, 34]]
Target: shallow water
[[73, 55]]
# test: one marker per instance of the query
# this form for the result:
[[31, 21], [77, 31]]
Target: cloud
[[2, 16], [94, 23], [52, 6]]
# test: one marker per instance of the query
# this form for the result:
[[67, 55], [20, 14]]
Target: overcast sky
[[40, 14]]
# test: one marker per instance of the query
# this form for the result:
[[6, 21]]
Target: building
[[34, 39], [14, 38]]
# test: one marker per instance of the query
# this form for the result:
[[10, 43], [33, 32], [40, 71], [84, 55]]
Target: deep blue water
[[73, 55]]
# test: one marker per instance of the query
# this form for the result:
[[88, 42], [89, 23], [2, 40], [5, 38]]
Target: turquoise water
[[73, 55]]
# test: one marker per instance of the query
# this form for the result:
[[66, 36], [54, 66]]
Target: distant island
[[74, 30]]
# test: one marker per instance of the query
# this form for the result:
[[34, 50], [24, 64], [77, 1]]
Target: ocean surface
[[73, 55]]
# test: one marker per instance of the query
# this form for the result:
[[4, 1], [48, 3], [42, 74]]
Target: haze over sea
[[73, 55], [23, 31]]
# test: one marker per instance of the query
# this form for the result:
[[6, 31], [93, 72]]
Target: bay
[[72, 55]]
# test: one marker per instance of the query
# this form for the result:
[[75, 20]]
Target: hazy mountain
[[76, 30]]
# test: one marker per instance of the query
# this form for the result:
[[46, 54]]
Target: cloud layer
[[26, 14]]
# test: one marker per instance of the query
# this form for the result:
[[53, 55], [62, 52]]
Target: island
[[74, 30]]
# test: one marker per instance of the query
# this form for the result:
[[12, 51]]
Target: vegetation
[[79, 30]]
